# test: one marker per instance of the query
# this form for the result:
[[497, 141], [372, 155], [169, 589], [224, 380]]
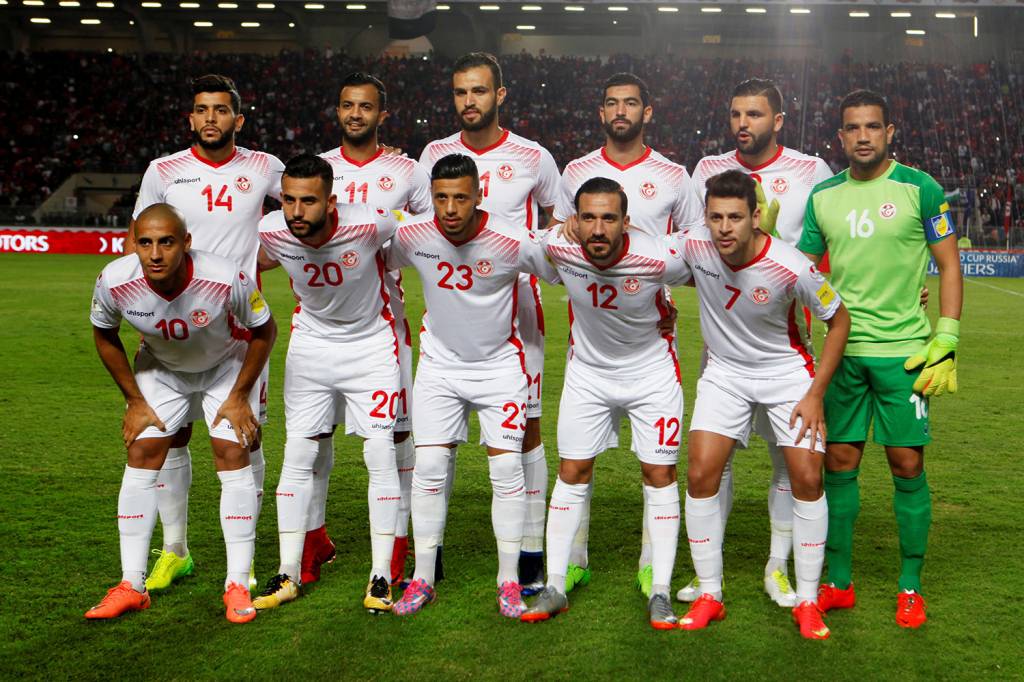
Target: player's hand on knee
[[137, 418], [238, 413], [811, 413], [569, 230]]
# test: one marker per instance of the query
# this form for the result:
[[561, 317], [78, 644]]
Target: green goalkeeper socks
[[913, 506], [843, 495]]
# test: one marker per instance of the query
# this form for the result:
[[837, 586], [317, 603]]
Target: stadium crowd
[[963, 124]]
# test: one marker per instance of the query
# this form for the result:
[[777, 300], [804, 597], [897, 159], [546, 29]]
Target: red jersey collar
[[775, 157], [189, 270], [737, 268], [622, 254], [214, 164], [501, 140], [621, 167], [360, 164], [484, 215]]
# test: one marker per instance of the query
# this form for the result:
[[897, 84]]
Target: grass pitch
[[60, 470]]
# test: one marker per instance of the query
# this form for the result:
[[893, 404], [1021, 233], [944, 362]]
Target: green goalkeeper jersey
[[877, 234]]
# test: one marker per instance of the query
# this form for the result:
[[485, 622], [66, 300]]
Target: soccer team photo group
[[815, 342]]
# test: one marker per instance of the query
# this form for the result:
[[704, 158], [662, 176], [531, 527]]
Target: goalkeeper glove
[[938, 358], [769, 212]]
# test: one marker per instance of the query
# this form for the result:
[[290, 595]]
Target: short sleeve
[[816, 293], [533, 257], [811, 241], [247, 303], [687, 213], [275, 173], [151, 191], [103, 313], [394, 254], [697, 185], [427, 160], [677, 271], [935, 214], [564, 205], [387, 223], [548, 189], [420, 198], [821, 170]]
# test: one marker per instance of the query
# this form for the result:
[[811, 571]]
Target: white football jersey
[[387, 180], [514, 174], [748, 314], [196, 329], [789, 176], [340, 284], [222, 203], [614, 311], [470, 327], [659, 192]]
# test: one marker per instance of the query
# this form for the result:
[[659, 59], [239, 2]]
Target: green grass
[[60, 470]]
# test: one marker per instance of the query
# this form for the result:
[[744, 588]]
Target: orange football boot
[[239, 605], [702, 612], [808, 617], [120, 599]]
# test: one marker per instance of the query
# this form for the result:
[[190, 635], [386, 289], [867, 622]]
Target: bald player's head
[[161, 242]]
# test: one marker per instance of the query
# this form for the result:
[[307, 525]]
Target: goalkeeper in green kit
[[879, 220]]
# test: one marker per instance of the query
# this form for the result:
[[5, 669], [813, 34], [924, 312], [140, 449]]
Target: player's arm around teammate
[[185, 305], [749, 286]]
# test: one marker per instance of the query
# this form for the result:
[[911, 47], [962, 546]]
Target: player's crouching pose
[[343, 348], [619, 364], [749, 286], [186, 305], [471, 358]]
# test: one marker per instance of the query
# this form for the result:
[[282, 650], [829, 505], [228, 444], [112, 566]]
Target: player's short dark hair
[[455, 166], [865, 98], [475, 59], [624, 78], [761, 87], [732, 184], [213, 82], [310, 166], [363, 78], [601, 186]]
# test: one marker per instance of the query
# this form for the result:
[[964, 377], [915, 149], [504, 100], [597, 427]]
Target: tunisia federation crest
[[780, 185], [506, 171], [631, 285], [484, 268], [200, 318], [349, 259], [760, 295], [243, 184], [386, 183], [648, 190]]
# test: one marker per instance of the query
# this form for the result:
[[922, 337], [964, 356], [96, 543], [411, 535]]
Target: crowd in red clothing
[[73, 111]]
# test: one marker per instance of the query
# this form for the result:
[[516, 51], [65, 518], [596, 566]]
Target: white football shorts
[[179, 397], [442, 405], [592, 405], [323, 379]]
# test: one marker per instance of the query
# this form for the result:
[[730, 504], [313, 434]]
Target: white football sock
[[564, 515], [725, 491], [662, 514], [321, 481], [645, 537], [535, 470], [780, 512], [429, 507], [810, 527], [405, 459], [294, 495], [238, 522], [704, 531], [508, 511], [136, 518], [581, 540], [172, 499], [383, 495], [259, 472], [449, 486]]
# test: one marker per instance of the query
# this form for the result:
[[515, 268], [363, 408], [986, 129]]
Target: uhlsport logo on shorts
[[484, 268], [349, 259], [200, 318], [386, 183], [760, 295], [887, 210], [506, 171], [648, 190], [780, 185], [631, 285], [243, 184]]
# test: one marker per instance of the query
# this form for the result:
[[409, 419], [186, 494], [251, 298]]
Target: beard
[[626, 135], [756, 144], [213, 145], [486, 119], [593, 241], [307, 229], [358, 138], [873, 162]]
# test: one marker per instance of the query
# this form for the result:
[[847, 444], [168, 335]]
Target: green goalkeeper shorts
[[880, 390]]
